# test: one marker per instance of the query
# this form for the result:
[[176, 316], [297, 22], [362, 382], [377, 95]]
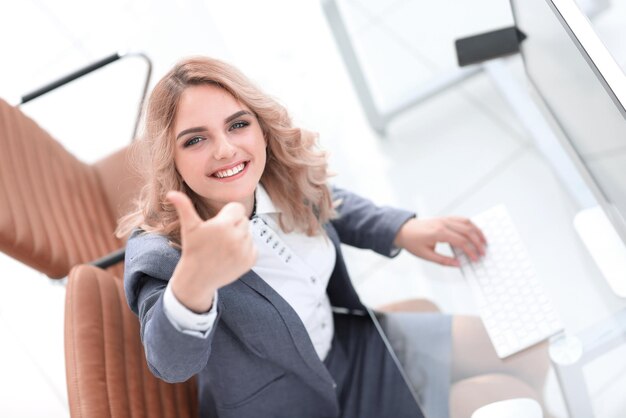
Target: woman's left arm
[[420, 237], [363, 224]]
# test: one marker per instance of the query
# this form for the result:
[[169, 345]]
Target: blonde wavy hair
[[295, 174]]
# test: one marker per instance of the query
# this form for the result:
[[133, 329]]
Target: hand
[[420, 236], [215, 252]]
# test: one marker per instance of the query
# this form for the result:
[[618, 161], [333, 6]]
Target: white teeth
[[230, 172]]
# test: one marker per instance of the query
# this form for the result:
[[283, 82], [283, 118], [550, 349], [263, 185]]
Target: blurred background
[[461, 152]]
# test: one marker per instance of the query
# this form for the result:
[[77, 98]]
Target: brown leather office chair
[[57, 212], [107, 374]]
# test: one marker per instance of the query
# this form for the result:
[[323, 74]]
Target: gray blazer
[[258, 360]]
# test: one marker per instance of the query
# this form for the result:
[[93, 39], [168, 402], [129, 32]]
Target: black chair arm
[[110, 259], [91, 68]]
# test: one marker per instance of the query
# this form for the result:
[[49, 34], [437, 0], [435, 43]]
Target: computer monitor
[[585, 91]]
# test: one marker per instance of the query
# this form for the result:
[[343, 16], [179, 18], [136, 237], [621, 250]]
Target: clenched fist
[[215, 252]]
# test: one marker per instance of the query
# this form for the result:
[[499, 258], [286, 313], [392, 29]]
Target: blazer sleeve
[[362, 224], [172, 356]]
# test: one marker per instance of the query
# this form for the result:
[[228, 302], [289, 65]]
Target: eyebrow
[[191, 131], [236, 115], [198, 129]]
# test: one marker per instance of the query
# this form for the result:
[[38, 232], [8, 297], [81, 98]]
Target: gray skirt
[[369, 381]]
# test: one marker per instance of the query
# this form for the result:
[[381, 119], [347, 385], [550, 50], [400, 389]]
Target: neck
[[251, 211]]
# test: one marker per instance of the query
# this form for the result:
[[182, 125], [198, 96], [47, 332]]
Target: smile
[[230, 172]]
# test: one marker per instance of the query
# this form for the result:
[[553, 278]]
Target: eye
[[192, 141], [238, 125]]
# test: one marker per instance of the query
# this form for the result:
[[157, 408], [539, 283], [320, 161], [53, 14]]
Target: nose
[[223, 148]]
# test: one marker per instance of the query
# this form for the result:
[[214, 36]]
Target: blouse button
[[313, 279]]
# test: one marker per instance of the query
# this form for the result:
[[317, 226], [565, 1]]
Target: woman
[[237, 275]]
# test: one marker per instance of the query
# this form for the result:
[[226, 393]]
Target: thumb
[[442, 259], [431, 255], [189, 218]]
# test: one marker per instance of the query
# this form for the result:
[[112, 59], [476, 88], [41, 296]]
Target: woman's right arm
[[214, 253], [172, 355]]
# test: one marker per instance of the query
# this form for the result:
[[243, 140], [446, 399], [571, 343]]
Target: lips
[[230, 171]]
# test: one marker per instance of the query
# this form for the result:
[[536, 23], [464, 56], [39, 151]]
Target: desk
[[590, 383], [580, 358]]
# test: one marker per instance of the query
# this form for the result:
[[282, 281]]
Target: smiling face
[[220, 150]]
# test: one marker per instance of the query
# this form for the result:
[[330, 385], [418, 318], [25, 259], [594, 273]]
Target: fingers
[[233, 216], [470, 229], [189, 218], [232, 213], [251, 251], [460, 241], [467, 231]]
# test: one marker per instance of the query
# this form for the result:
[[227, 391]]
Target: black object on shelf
[[485, 46]]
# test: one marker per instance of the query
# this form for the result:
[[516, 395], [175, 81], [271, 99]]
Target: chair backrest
[[119, 182], [107, 374], [56, 211]]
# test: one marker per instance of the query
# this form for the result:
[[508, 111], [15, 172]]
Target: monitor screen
[[585, 90]]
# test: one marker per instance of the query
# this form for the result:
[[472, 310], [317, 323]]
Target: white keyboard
[[511, 300]]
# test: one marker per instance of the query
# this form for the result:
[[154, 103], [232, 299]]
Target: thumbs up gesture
[[215, 252]]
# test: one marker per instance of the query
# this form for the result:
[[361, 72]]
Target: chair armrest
[[69, 78], [91, 68], [110, 259]]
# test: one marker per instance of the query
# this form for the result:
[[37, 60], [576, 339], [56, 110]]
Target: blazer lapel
[[296, 328], [332, 234]]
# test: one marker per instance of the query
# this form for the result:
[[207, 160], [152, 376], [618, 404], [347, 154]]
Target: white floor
[[459, 153]]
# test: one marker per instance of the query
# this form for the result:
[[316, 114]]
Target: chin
[[240, 195]]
